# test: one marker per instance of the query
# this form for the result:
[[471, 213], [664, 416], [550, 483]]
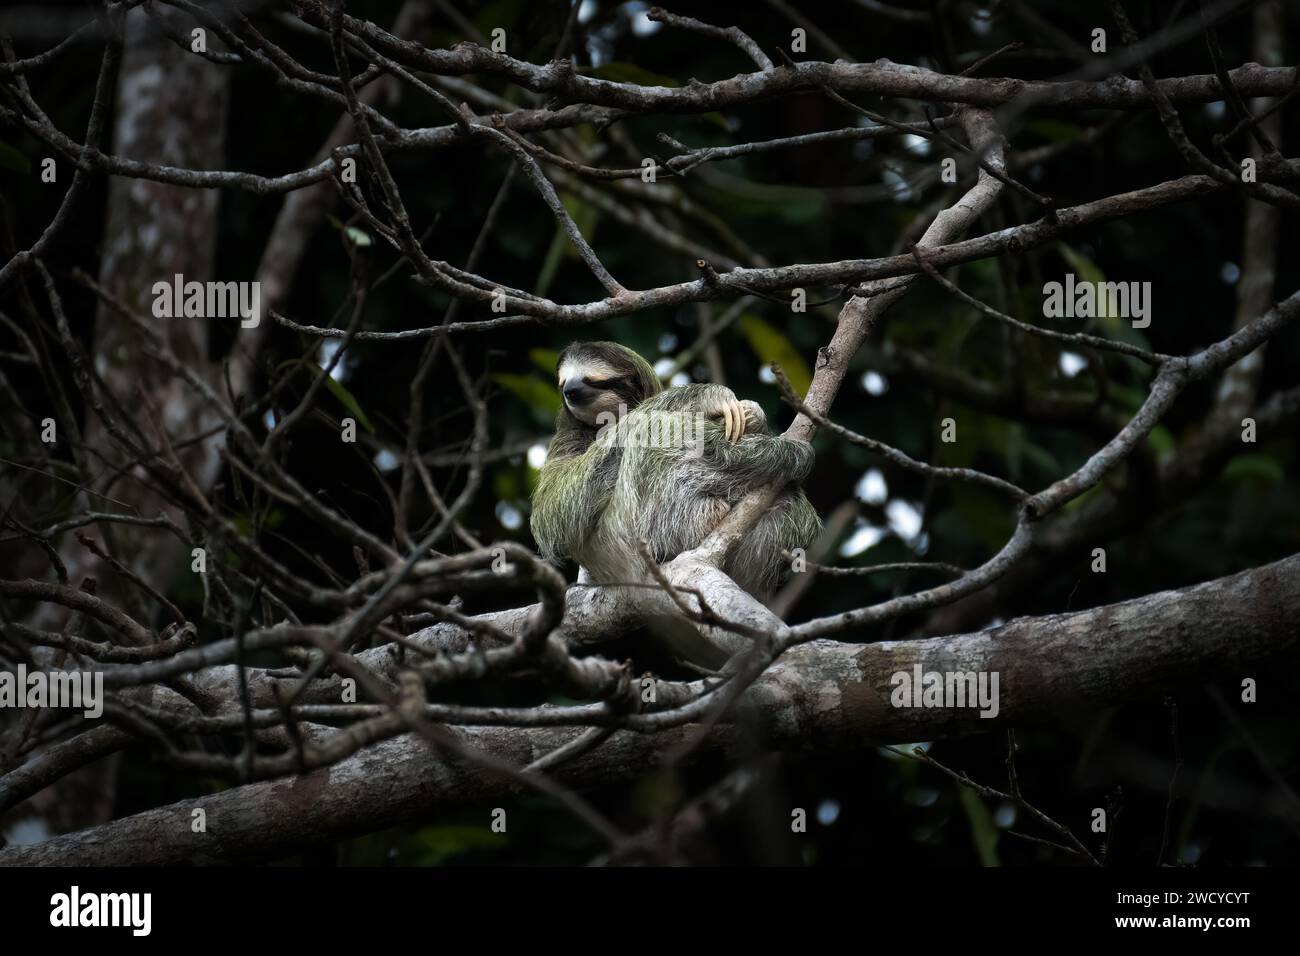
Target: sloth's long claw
[[732, 413]]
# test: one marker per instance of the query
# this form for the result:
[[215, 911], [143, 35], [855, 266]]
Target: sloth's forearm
[[561, 506], [762, 459]]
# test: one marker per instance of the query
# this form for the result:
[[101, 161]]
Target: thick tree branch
[[822, 694]]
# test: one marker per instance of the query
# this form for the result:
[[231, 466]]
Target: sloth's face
[[593, 390]]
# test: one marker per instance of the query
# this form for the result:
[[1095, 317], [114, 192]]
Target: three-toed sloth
[[631, 460]]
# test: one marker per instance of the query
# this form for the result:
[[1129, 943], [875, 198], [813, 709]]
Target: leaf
[[544, 359], [554, 256], [13, 159], [771, 345], [349, 402], [1055, 131], [980, 434], [952, 336], [976, 516], [358, 237], [1161, 440], [1074, 504], [618, 72], [982, 831], [338, 389], [1129, 400], [1087, 271], [1261, 468], [656, 792], [532, 391], [584, 216], [1042, 459], [1082, 266], [1014, 449], [439, 844], [499, 13], [801, 212], [1126, 397], [505, 485], [717, 119], [1116, 325], [982, 272]]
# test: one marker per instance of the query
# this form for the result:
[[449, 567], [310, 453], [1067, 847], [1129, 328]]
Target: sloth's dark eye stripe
[[626, 390], [614, 383]]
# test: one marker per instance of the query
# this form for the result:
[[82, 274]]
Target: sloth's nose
[[578, 391]]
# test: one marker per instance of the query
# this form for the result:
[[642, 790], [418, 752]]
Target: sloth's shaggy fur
[[603, 489]]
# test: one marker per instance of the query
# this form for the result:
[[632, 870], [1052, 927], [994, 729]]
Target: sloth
[[611, 478]]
